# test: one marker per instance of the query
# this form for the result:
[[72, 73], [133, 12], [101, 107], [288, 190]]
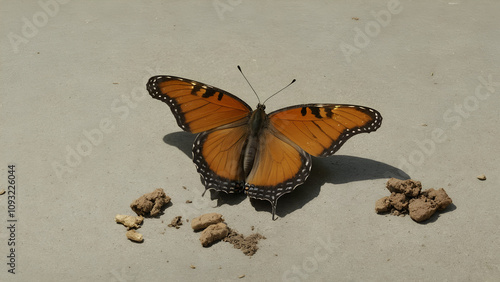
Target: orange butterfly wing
[[218, 156], [293, 134], [222, 121], [321, 129], [280, 166], [196, 106]]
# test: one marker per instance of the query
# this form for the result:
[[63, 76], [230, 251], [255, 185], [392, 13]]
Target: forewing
[[196, 106], [321, 129], [218, 157]]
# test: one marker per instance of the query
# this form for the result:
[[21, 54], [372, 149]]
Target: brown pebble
[[481, 177], [134, 236], [150, 204], [439, 196], [129, 221], [2, 192], [382, 205], [408, 187], [205, 220], [398, 201], [213, 233], [421, 209], [176, 222]]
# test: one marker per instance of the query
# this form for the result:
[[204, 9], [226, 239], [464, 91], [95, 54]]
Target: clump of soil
[[206, 220], [248, 245], [176, 222], [215, 229], [407, 197], [129, 221], [213, 233], [134, 236], [150, 204]]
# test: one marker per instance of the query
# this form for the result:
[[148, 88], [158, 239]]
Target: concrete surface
[[86, 138]]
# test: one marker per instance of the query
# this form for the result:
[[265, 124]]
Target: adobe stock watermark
[[31, 26], [120, 109], [455, 116], [372, 29], [310, 264], [224, 6]]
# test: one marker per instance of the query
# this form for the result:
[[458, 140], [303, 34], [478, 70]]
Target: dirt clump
[[216, 229], [176, 222], [407, 197], [206, 220], [129, 221], [213, 233], [135, 236], [409, 187], [248, 245], [150, 204]]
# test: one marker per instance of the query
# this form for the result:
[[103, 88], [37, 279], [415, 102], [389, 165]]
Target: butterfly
[[265, 155]]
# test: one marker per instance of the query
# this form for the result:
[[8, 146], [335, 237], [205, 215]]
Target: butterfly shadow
[[337, 169], [182, 140]]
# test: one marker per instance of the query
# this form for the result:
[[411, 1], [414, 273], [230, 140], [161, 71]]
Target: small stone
[[382, 205], [176, 222], [150, 204], [205, 220], [421, 209], [213, 233], [481, 177], [439, 196], [135, 236], [129, 221], [398, 201]]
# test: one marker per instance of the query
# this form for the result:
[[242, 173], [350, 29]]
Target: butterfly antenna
[[280, 90], [249, 83]]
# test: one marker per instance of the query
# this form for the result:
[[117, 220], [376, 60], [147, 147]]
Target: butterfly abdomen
[[256, 123]]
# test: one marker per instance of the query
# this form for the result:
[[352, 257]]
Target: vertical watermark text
[[11, 219]]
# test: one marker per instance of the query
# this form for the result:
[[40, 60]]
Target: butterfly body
[[266, 155], [255, 124]]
